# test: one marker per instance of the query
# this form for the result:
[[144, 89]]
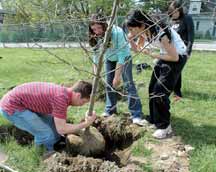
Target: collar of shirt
[[70, 94]]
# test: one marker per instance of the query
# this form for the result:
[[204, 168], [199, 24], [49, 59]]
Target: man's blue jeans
[[134, 103], [42, 127]]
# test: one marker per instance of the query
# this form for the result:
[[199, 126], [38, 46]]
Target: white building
[[1, 13], [204, 23], [195, 7]]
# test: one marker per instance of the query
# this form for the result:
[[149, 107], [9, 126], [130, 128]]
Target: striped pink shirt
[[39, 97]]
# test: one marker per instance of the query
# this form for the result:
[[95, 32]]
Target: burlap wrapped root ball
[[88, 142]]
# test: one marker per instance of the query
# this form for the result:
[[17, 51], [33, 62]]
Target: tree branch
[[7, 168]]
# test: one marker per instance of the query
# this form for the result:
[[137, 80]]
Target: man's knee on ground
[[48, 140]]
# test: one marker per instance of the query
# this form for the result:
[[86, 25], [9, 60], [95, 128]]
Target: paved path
[[3, 157], [208, 46], [205, 46]]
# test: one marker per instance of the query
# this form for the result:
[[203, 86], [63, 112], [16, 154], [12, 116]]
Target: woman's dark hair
[[96, 19], [138, 18], [176, 5]]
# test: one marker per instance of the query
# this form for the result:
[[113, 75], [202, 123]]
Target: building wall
[[195, 7], [205, 26]]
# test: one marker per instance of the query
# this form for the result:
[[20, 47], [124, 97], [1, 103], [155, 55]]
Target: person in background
[[183, 24], [171, 60], [40, 108], [118, 64]]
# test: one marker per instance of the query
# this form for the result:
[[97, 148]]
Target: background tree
[[154, 5], [49, 10]]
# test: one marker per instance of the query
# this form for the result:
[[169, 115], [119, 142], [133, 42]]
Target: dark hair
[[96, 19], [138, 18], [176, 5], [83, 87]]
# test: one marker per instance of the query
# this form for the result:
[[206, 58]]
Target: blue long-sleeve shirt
[[118, 49]]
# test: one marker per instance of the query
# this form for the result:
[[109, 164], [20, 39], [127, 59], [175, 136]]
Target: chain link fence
[[77, 31]]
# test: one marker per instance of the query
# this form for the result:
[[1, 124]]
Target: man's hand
[[90, 118], [63, 127], [116, 82]]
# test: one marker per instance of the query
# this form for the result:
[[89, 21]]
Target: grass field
[[193, 118]]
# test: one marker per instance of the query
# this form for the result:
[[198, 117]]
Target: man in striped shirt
[[40, 108]]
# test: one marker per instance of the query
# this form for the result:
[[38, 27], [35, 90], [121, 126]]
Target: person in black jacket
[[183, 24]]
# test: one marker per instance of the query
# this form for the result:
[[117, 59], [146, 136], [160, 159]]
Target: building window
[[1, 18], [194, 9], [214, 29], [197, 25]]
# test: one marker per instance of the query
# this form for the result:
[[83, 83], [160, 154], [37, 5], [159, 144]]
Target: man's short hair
[[83, 87]]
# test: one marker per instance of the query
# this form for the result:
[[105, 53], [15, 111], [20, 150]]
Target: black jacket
[[186, 31]]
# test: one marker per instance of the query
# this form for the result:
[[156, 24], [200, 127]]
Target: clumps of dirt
[[107, 135], [22, 137], [62, 163], [118, 134]]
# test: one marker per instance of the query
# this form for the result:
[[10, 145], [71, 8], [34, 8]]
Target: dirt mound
[[107, 135], [62, 163], [168, 155], [118, 133]]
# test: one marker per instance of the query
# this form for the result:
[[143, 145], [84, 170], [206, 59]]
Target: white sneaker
[[105, 114], [140, 121], [162, 133]]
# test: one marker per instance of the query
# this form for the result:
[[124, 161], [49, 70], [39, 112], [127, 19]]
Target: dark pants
[[177, 88], [163, 81]]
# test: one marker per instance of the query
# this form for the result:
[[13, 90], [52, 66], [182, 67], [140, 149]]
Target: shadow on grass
[[22, 137], [194, 135], [199, 95]]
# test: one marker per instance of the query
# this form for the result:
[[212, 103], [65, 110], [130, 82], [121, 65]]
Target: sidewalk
[[3, 157], [205, 46], [197, 45]]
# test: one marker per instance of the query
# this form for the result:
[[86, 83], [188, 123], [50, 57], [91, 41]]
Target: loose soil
[[168, 155]]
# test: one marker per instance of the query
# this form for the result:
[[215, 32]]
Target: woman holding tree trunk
[[118, 64]]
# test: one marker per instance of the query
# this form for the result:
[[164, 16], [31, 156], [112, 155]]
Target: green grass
[[204, 40], [23, 158], [194, 118]]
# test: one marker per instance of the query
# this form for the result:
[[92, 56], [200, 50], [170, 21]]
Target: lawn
[[193, 118]]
